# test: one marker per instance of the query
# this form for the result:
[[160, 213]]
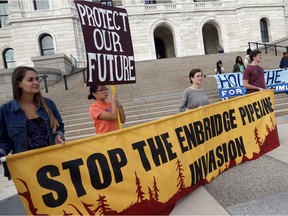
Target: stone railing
[[59, 61], [141, 7], [168, 6], [183, 5]]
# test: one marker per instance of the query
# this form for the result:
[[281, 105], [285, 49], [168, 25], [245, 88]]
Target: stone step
[[144, 88], [70, 99], [93, 133], [143, 105], [137, 102], [130, 115], [68, 109], [78, 129], [155, 95], [81, 114], [140, 112], [90, 131], [70, 124], [281, 112]]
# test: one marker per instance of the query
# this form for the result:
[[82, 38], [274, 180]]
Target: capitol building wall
[[31, 33]]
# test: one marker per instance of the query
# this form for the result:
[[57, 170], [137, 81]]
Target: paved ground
[[258, 187]]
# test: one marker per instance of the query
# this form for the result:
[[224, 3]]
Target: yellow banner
[[146, 168]]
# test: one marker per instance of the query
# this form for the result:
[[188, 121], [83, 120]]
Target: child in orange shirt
[[104, 114]]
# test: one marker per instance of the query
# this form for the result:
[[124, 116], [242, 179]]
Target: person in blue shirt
[[284, 60], [29, 121]]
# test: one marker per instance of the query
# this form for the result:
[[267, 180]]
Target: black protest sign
[[106, 32]]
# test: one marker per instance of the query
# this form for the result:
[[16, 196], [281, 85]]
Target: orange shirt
[[102, 126]]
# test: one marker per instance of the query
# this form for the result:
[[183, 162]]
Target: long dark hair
[[17, 77], [219, 71], [93, 89], [239, 60]]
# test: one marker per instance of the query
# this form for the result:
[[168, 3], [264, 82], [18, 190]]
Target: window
[[3, 14], [9, 61], [104, 2], [107, 2], [41, 4], [46, 45], [264, 31], [150, 1]]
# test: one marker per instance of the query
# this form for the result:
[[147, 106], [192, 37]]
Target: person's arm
[[183, 102], [281, 63], [246, 85], [6, 142], [113, 115]]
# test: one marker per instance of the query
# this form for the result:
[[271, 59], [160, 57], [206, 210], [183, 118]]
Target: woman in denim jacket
[[29, 121]]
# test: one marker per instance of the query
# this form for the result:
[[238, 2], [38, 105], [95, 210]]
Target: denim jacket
[[13, 136]]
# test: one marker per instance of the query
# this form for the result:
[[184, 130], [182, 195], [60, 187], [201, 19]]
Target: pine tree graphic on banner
[[257, 138], [103, 207], [140, 193], [271, 120], [180, 178], [156, 190], [151, 194]]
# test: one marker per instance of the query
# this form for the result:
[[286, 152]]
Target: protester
[[239, 65], [29, 121], [219, 67], [103, 113], [220, 49], [247, 58], [253, 77], [194, 96], [284, 61]]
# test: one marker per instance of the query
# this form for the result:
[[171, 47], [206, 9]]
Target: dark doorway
[[164, 42], [160, 48], [210, 38]]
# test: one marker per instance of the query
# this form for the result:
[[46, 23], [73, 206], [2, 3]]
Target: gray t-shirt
[[192, 98]]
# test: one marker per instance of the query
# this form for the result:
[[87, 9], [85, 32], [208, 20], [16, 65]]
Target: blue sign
[[231, 84]]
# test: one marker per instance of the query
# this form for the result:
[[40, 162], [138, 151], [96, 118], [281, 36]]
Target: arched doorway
[[164, 43], [210, 38]]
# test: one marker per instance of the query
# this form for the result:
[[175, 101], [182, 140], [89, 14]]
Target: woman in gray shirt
[[194, 96]]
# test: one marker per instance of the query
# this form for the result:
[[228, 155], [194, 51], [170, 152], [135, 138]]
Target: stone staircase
[[156, 94]]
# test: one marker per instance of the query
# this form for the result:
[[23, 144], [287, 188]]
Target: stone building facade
[[33, 29]]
